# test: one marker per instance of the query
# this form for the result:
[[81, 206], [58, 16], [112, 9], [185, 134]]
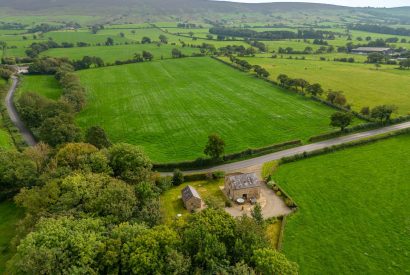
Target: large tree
[[215, 146], [341, 120], [315, 89], [96, 136], [129, 163], [383, 112], [59, 130], [270, 261]]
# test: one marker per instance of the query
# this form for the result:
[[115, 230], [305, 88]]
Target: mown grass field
[[9, 216], [171, 202], [45, 85], [363, 84], [121, 52], [354, 211], [170, 107]]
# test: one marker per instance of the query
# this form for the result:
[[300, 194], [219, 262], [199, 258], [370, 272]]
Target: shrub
[[278, 193], [218, 174], [271, 184], [177, 178], [268, 169]]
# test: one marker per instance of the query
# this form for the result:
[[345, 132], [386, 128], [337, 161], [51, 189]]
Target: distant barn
[[367, 50], [191, 198], [245, 186]]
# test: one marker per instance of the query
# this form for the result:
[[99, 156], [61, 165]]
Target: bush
[[278, 193], [268, 169], [271, 184], [228, 203], [218, 175], [177, 178]]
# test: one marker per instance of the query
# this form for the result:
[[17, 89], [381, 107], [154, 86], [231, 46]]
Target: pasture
[[170, 107], [45, 85], [354, 215], [363, 84], [121, 52]]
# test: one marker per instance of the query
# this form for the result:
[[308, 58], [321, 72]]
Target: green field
[[45, 85], [354, 215], [170, 107], [362, 84], [122, 52], [9, 216]]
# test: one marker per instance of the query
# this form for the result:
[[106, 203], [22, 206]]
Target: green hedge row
[[206, 162], [342, 146], [365, 126]]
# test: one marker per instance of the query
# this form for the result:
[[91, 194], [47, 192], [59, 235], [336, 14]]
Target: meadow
[[354, 215], [363, 84], [170, 107], [10, 214], [45, 85], [121, 52]]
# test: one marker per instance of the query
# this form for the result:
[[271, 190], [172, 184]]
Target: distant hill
[[161, 5]]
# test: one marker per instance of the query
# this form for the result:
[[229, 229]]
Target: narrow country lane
[[14, 116], [259, 161]]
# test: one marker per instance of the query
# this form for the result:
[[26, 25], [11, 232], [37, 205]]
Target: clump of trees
[[108, 201]]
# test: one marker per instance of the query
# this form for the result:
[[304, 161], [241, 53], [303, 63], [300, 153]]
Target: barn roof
[[242, 181], [189, 192]]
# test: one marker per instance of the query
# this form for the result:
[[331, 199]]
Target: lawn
[[354, 212], [170, 107], [45, 85], [9, 216], [171, 203], [362, 84]]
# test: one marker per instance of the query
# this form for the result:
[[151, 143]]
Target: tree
[[282, 78], [375, 58], [405, 64], [315, 89], [82, 156], [177, 178], [256, 213], [109, 42], [260, 72], [269, 261], [301, 83], [163, 39], [16, 171], [147, 55], [58, 130], [336, 97], [50, 250], [3, 47], [146, 40], [341, 119], [129, 163], [40, 155], [383, 112], [176, 53], [81, 194], [215, 147], [365, 111], [96, 136]]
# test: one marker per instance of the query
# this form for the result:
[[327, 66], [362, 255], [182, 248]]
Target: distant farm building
[[367, 50], [245, 186], [192, 200]]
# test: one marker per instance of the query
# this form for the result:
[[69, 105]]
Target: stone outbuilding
[[246, 186], [192, 200]]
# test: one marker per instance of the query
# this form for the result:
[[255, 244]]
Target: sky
[[352, 3]]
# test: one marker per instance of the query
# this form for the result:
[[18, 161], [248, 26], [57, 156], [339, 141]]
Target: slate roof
[[189, 192], [371, 49], [242, 181]]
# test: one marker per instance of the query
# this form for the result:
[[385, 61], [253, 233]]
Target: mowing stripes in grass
[[170, 107]]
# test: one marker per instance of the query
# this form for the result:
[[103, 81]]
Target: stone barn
[[191, 199], [246, 186]]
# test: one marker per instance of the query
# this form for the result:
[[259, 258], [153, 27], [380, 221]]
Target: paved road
[[259, 161], [14, 116]]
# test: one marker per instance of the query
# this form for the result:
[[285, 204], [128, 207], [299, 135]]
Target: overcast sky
[[353, 3]]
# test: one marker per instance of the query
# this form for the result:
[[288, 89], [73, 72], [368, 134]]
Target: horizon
[[347, 3]]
